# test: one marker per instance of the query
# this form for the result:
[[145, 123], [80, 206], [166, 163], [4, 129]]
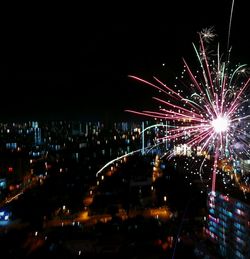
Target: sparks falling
[[214, 114]]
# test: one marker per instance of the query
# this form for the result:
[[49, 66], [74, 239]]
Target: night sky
[[78, 68]]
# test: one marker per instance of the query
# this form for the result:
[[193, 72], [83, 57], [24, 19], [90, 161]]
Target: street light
[[165, 200]]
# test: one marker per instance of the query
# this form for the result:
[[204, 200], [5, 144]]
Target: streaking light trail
[[125, 155], [116, 159], [211, 111]]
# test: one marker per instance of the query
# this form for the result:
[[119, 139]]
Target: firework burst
[[213, 116]]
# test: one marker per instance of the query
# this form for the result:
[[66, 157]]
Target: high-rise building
[[37, 133], [228, 225]]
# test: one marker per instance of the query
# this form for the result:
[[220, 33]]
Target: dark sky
[[75, 66]]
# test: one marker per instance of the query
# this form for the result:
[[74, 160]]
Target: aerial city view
[[140, 151]]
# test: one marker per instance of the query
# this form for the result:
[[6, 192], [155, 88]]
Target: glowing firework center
[[220, 124], [211, 118]]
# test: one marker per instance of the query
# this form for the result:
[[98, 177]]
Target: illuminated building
[[182, 150], [143, 138], [4, 217], [228, 225], [37, 133], [2, 184]]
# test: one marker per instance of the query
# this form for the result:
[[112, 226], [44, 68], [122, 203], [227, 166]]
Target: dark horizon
[[41, 75]]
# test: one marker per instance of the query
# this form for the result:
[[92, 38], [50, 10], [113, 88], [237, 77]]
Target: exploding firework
[[209, 111]]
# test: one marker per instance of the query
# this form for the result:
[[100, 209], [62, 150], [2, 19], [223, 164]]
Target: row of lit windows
[[226, 212], [224, 251], [222, 226], [239, 254], [239, 226]]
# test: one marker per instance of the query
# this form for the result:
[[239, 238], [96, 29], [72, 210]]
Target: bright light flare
[[210, 110], [220, 124]]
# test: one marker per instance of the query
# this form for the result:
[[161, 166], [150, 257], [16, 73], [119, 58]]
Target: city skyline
[[126, 133]]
